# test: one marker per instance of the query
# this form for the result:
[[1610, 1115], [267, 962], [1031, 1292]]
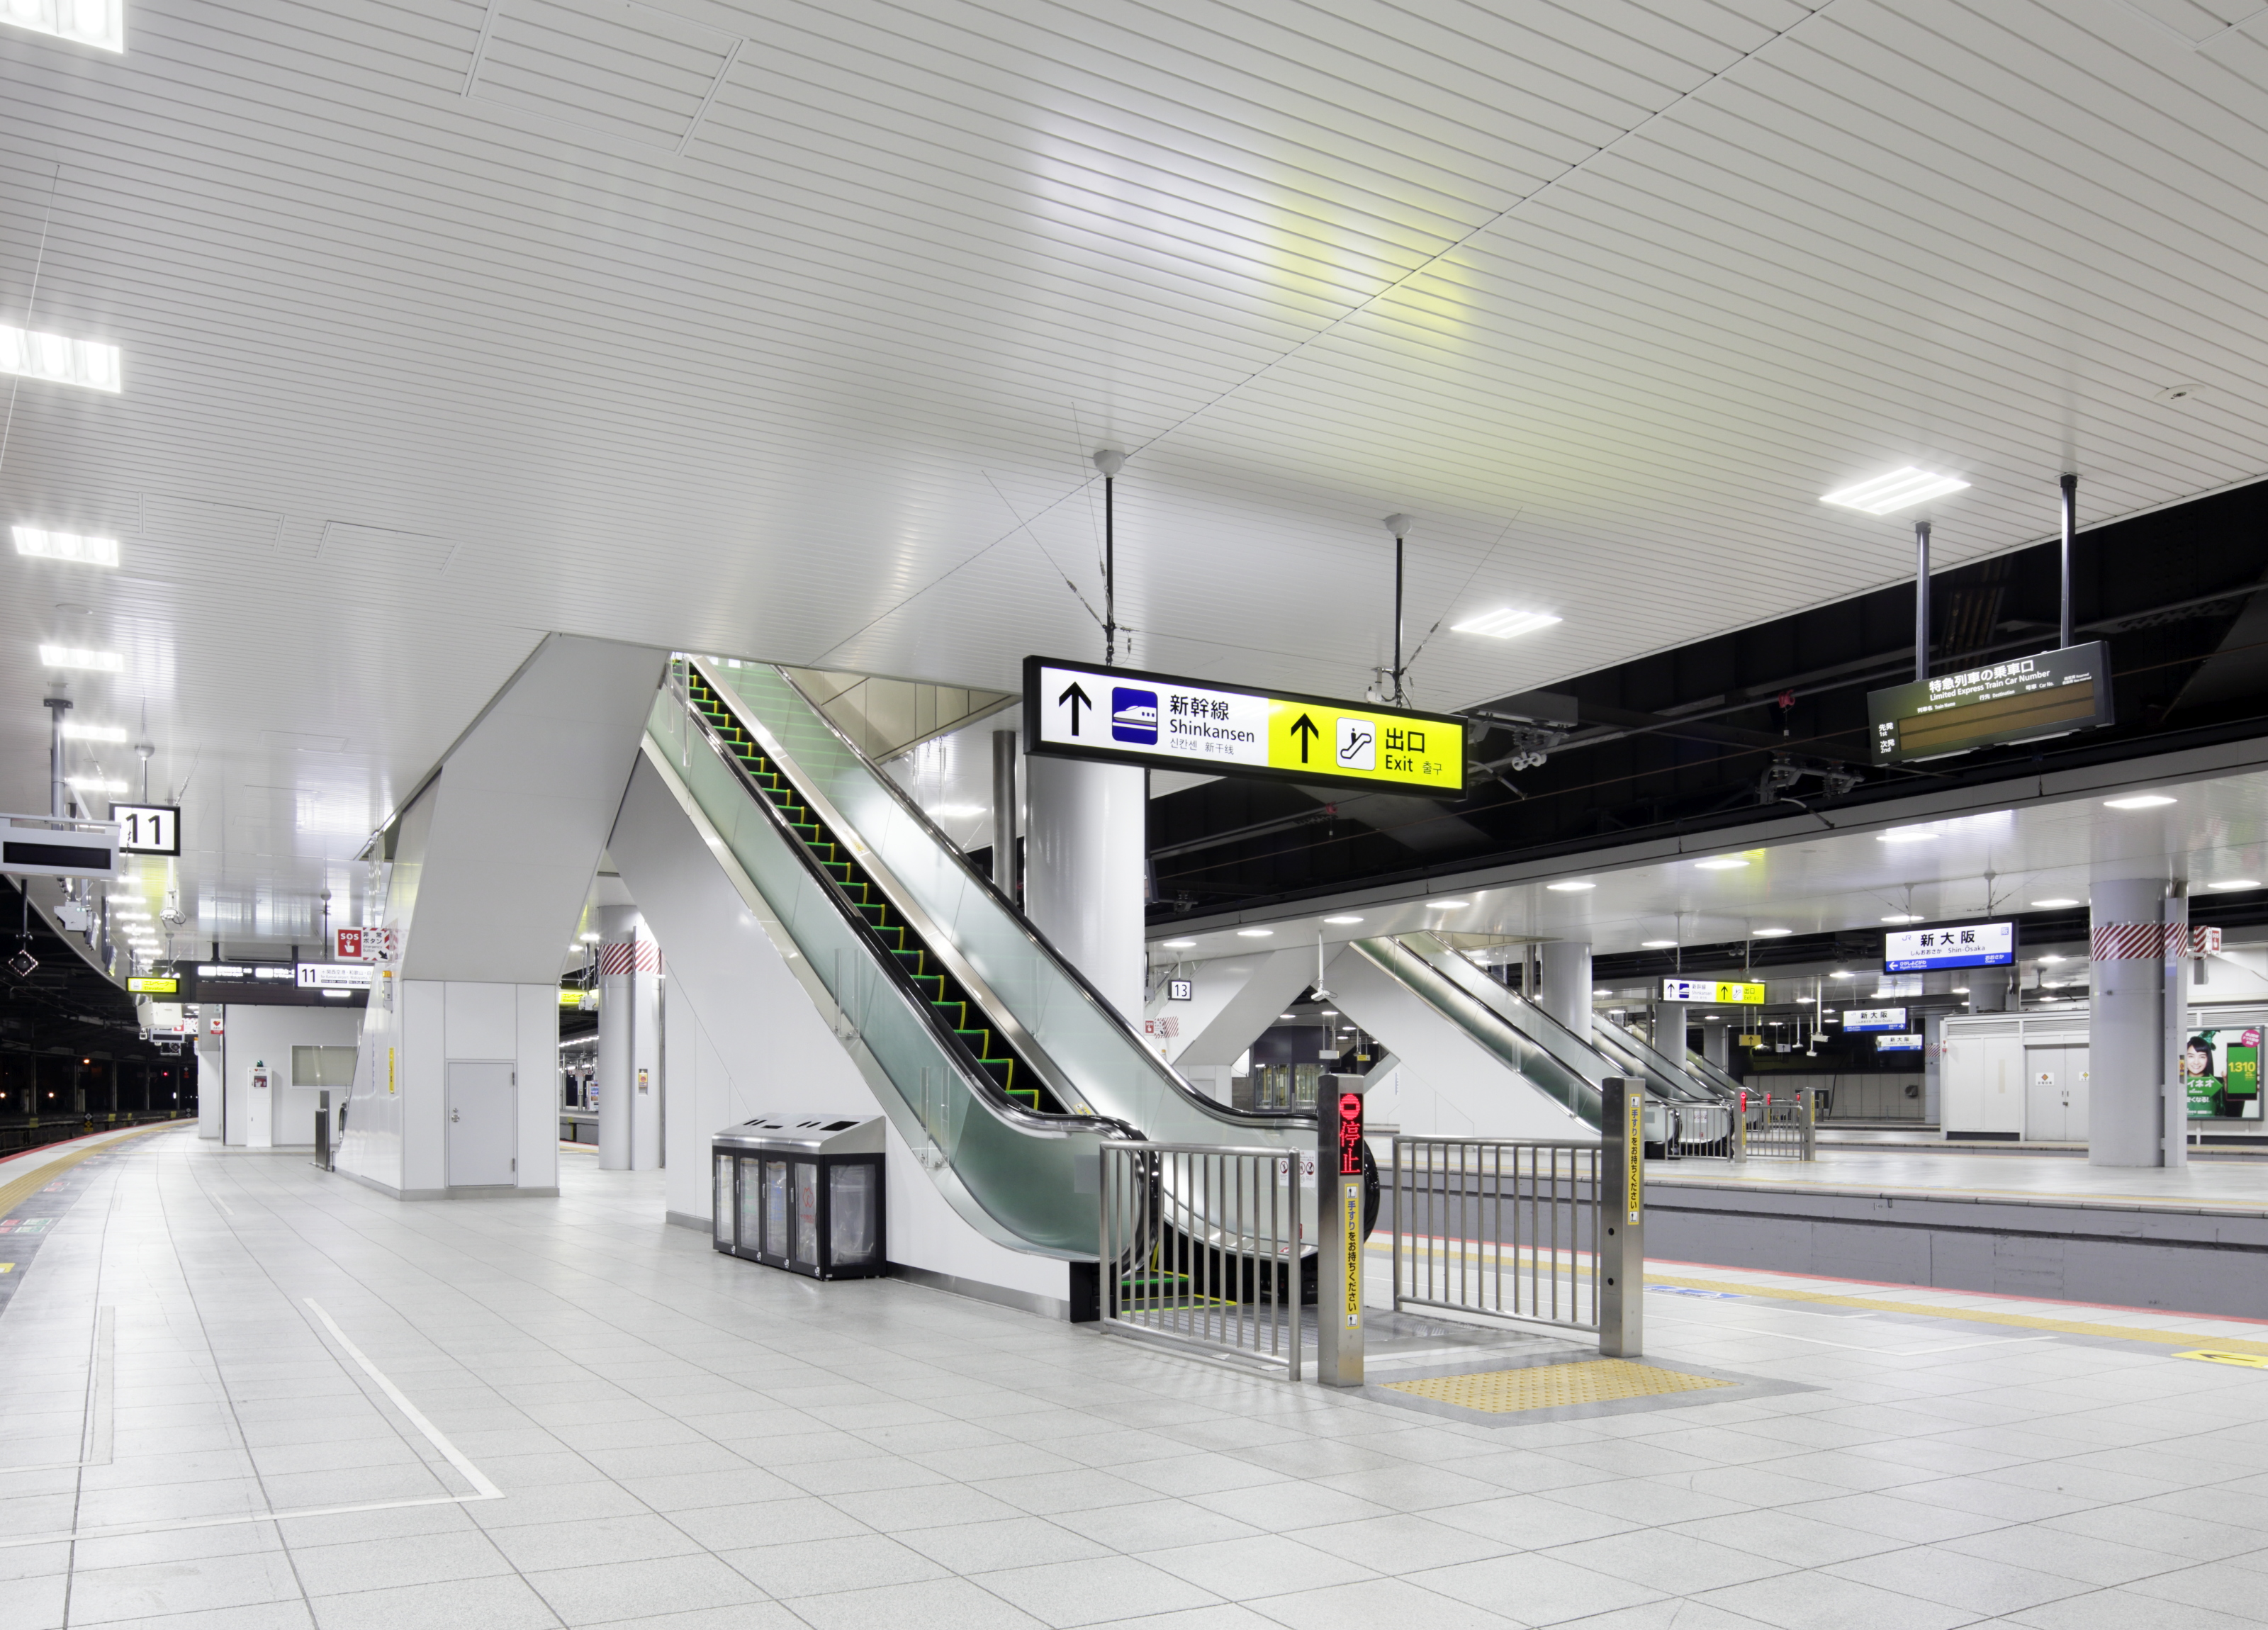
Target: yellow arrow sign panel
[[1084, 711]]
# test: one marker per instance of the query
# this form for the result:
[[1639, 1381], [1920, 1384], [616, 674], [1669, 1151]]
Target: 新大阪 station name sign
[[1124, 715]]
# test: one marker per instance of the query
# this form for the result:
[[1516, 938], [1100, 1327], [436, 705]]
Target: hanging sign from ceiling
[[148, 828], [1076, 711], [2024, 699], [1713, 990]]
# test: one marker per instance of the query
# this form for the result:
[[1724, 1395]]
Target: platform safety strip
[[1554, 1386]]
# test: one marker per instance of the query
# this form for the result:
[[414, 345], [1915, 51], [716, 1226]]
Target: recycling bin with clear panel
[[802, 1193]]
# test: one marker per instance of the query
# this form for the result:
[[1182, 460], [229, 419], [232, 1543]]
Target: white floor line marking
[[449, 1450], [1848, 1346], [223, 1204], [484, 1490]]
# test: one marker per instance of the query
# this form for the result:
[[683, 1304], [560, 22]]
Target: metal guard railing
[[1498, 1226], [1201, 1247]]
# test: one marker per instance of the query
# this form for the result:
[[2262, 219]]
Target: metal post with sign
[[1338, 1216], [1620, 1269]]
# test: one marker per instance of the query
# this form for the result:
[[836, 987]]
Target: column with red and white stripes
[[2126, 1023], [629, 1043]]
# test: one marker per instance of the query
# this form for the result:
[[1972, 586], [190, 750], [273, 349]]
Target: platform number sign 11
[[148, 828]]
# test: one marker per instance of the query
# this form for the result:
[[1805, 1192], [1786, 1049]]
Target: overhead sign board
[[2024, 699], [1125, 717], [1907, 1043], [1874, 1018], [336, 976], [365, 944], [153, 985], [1713, 990], [1948, 945], [147, 829], [43, 846]]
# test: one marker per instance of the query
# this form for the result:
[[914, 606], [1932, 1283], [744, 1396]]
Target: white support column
[[1717, 1044], [629, 1043], [1084, 851], [2174, 978], [2126, 1023], [1669, 1030], [1567, 983]]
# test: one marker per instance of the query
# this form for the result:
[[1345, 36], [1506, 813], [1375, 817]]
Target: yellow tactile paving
[[1971, 1314], [1550, 1386], [1773, 1292], [14, 1194]]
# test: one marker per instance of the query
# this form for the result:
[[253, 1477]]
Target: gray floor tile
[[817, 1567], [589, 1596], [145, 1589], [933, 1604], [1238, 1570], [381, 1564], [1371, 1604], [1094, 1590], [1535, 1590], [499, 1603], [1815, 1601]]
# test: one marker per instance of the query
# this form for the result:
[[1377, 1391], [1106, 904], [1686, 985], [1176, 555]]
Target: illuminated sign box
[[1123, 715], [1874, 1018], [2024, 699], [1735, 992], [1940, 945], [1897, 1044], [336, 976], [153, 985]]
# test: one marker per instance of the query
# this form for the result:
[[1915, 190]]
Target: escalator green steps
[[1026, 1096]]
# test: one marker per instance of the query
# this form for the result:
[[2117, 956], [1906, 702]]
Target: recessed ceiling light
[[1504, 623], [73, 657], [1287, 1016], [1895, 491], [1179, 944], [57, 358], [2175, 393], [94, 732], [590, 939], [1255, 933], [1446, 905], [2139, 801], [1330, 1013], [1840, 974], [93, 783], [1961, 990], [1656, 944], [1901, 916], [1771, 933], [2051, 959], [2235, 883], [1341, 921], [1570, 888], [89, 22], [1602, 992], [1723, 863], [2056, 904], [65, 546], [1807, 1001], [1906, 834]]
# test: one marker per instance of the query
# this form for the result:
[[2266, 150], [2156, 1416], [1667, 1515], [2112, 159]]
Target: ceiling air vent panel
[[610, 68]]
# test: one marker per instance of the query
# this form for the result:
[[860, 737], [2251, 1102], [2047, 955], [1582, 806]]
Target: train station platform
[[2193, 1238], [248, 1393]]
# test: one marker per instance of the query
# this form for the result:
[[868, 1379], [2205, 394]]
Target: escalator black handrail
[[973, 1071], [1101, 1005]]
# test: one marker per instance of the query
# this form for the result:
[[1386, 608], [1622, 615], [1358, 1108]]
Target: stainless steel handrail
[[1506, 1227]]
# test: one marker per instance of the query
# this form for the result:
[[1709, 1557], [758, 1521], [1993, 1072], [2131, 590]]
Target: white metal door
[[483, 1125], [2004, 1085], [2046, 1099], [2074, 1093]]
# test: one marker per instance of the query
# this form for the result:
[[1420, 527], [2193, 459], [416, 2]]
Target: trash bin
[[802, 1193]]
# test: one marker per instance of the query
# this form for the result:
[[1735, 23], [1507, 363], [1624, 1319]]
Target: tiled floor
[[2212, 1185], [680, 1440]]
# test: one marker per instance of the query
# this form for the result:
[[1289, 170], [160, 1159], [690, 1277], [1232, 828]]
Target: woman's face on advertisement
[[2197, 1061]]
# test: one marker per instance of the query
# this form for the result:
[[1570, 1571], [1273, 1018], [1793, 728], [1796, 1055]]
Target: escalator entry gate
[[802, 1193]]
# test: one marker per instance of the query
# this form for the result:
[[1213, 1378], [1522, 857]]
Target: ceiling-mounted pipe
[[1399, 525], [1110, 460], [2070, 531], [1921, 602]]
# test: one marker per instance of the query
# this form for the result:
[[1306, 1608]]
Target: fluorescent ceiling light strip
[[65, 546], [74, 657], [1504, 623], [94, 732], [100, 23], [1896, 490], [57, 358], [93, 783]]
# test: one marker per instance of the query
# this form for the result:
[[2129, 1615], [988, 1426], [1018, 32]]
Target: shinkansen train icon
[[1134, 715]]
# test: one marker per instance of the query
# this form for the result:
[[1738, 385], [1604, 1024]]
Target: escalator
[[1001, 1067], [1549, 1059]]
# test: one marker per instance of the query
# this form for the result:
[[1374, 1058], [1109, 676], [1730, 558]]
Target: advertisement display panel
[[2220, 1071], [1940, 945]]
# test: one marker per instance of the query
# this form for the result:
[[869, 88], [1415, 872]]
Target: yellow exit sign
[[153, 985]]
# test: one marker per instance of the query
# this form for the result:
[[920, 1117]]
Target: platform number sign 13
[[148, 828]]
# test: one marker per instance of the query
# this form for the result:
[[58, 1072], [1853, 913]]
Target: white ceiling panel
[[788, 328]]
